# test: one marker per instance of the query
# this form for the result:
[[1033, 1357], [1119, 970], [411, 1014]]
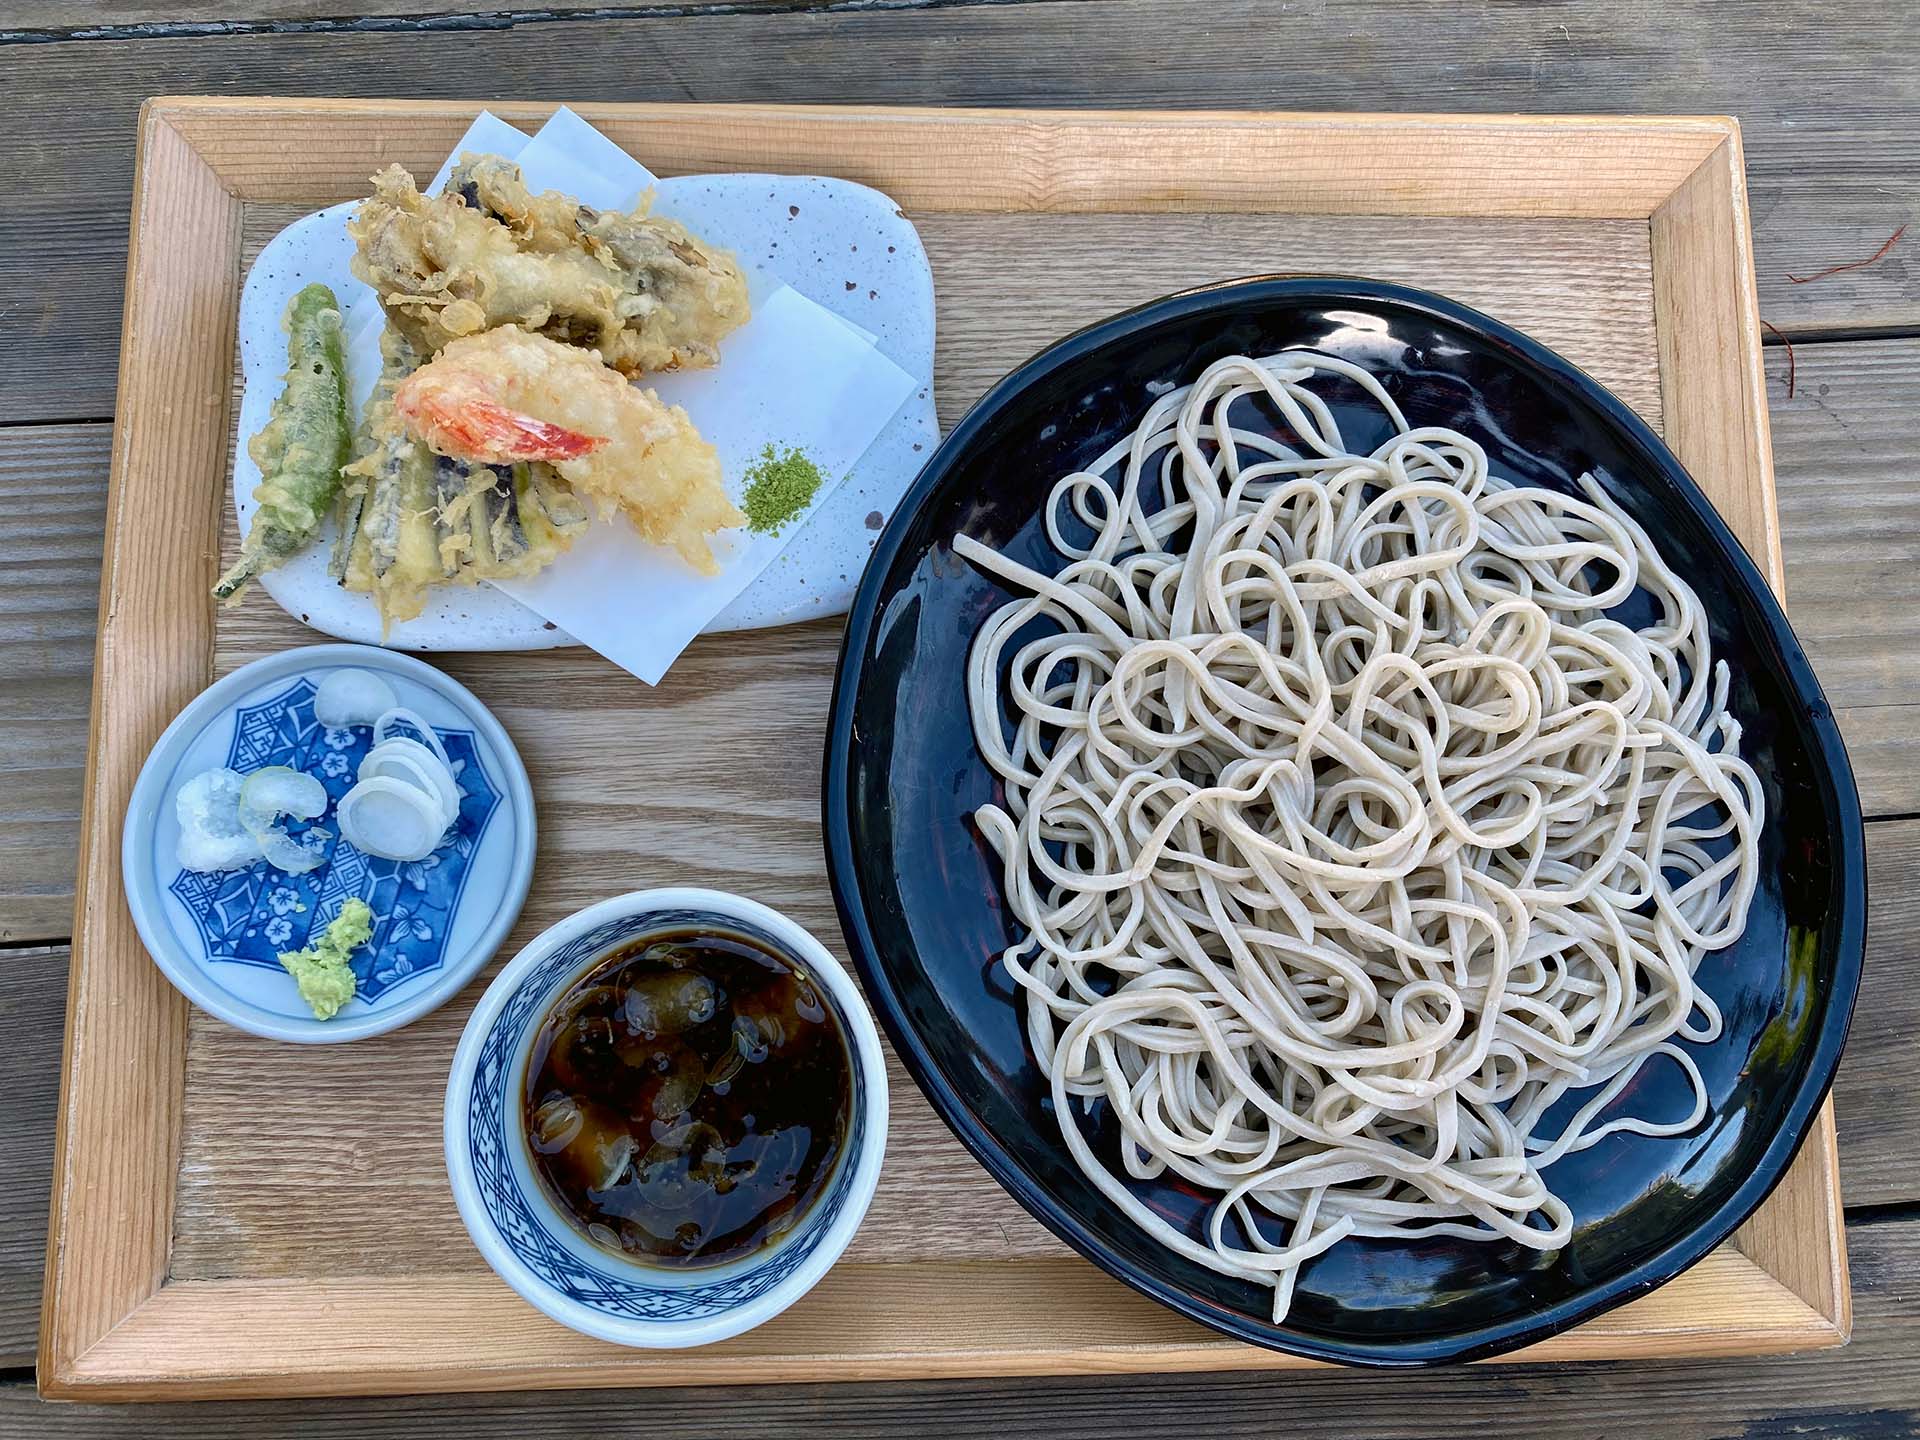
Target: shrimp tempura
[[506, 395]]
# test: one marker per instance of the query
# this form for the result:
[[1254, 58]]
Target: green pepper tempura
[[321, 970], [302, 447]]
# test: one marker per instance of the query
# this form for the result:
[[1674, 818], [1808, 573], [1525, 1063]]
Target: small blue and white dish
[[535, 1247], [435, 921]]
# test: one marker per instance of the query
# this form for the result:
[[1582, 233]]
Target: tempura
[[302, 446], [508, 396], [416, 519], [644, 292]]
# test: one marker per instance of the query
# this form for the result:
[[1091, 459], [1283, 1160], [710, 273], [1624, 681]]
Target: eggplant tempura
[[414, 519], [644, 292]]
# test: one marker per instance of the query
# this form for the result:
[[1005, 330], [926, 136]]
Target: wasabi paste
[[321, 970]]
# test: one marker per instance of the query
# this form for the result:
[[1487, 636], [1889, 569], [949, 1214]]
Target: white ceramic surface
[[437, 921], [538, 1251], [844, 246]]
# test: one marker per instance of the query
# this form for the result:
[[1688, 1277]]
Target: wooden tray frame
[[115, 1326]]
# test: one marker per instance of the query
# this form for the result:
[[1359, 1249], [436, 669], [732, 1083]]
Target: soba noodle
[[1349, 829]]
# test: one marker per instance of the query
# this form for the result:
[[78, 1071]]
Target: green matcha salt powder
[[779, 487]]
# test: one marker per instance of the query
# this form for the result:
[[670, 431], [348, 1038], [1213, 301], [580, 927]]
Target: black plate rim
[[1833, 771]]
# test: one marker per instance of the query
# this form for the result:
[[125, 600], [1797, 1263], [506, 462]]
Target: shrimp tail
[[484, 432], [507, 435]]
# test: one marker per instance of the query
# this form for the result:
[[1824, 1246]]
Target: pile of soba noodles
[[1349, 830]]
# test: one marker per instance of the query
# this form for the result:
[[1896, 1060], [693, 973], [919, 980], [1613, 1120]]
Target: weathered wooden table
[[1830, 98]]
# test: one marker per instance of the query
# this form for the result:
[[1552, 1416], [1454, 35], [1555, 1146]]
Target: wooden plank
[[1843, 444], [1848, 438], [1867, 1391], [89, 17], [1704, 305], [1829, 110], [32, 1000], [1716, 411], [53, 492], [126, 1026], [1583, 287], [1873, 1095], [1030, 160], [1883, 742], [235, 1339]]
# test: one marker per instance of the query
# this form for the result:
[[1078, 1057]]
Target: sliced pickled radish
[[276, 790], [198, 851], [352, 697], [296, 857], [392, 819], [211, 835], [411, 761], [400, 715]]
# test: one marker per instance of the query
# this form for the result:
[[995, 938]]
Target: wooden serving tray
[[237, 1217]]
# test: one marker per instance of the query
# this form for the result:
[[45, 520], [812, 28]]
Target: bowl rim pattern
[[518, 1233]]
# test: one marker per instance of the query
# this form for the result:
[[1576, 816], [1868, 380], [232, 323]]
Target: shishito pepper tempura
[[506, 396], [304, 444]]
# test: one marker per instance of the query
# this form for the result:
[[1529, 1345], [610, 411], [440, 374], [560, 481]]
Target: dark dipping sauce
[[687, 1098]]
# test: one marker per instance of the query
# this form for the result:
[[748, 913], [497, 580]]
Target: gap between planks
[[59, 20]]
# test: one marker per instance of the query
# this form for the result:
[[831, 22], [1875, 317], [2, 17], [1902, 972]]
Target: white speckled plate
[[844, 246], [436, 921]]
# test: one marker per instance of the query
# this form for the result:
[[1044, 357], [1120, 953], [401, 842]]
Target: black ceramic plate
[[920, 898]]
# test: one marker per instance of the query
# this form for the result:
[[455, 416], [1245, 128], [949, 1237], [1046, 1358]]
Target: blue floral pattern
[[249, 916], [524, 1229]]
